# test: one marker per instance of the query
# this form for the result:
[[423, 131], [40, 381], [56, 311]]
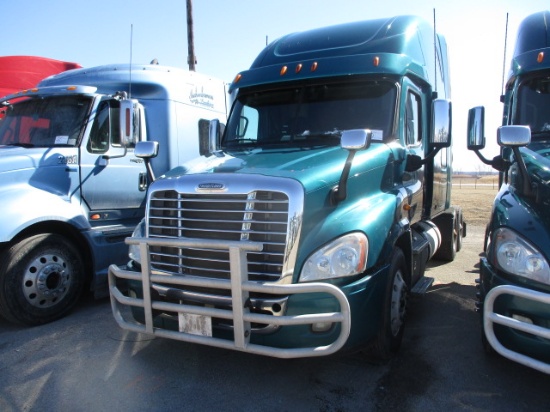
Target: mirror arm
[[340, 192], [431, 155], [149, 169], [482, 158], [498, 162], [415, 162]]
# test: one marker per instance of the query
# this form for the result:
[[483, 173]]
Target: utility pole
[[191, 58]]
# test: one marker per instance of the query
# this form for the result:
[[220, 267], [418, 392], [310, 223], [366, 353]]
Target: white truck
[[72, 187]]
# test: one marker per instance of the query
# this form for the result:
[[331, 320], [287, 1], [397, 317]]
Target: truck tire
[[449, 228], [390, 334], [41, 279]]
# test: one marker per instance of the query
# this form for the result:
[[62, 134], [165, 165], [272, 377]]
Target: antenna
[[131, 44], [504, 60], [435, 55]]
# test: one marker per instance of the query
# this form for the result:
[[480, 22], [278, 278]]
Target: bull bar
[[490, 318], [239, 286]]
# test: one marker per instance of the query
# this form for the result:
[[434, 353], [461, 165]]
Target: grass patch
[[475, 197]]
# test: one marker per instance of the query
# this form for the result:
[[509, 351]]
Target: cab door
[[414, 140], [114, 181]]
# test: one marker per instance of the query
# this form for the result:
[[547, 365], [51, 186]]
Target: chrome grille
[[260, 216]]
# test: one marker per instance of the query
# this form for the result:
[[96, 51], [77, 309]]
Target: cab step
[[422, 285]]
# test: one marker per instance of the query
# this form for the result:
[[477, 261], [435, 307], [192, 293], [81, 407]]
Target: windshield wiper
[[540, 132], [328, 133]]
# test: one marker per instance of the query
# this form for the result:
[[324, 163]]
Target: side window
[[106, 128], [413, 124], [99, 136], [247, 129]]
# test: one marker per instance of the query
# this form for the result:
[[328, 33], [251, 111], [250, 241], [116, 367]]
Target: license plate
[[195, 324]]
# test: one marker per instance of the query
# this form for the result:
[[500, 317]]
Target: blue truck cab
[[311, 220], [514, 284], [72, 185]]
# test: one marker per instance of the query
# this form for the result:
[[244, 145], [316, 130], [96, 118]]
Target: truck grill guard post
[[238, 286]]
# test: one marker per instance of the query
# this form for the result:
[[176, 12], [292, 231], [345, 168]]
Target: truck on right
[[513, 289]]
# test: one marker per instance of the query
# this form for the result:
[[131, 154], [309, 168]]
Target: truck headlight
[[345, 256], [515, 255], [133, 251]]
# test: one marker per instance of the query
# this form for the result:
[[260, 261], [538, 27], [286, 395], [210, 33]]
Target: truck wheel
[[447, 224], [41, 280], [390, 334]]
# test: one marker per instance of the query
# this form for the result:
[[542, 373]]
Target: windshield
[[314, 114], [534, 104], [44, 122]]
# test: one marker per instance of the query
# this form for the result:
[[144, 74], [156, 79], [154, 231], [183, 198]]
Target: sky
[[228, 34]]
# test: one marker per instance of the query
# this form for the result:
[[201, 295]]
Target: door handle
[[142, 184]]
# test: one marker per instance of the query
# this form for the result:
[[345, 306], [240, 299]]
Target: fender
[[375, 215], [24, 205], [510, 208], [376, 210]]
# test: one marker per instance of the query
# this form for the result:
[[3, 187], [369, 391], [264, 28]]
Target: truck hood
[[314, 168], [14, 158]]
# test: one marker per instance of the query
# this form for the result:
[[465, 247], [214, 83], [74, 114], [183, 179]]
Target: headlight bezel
[[342, 257], [513, 254]]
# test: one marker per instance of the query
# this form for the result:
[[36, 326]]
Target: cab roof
[[396, 45], [532, 50]]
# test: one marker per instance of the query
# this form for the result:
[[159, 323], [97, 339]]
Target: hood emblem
[[211, 186]]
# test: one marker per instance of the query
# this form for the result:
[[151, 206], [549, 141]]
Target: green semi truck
[[514, 285], [311, 220]]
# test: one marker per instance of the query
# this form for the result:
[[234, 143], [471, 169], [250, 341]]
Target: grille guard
[[490, 317], [240, 287]]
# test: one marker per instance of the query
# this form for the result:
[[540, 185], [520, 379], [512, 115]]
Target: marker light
[[237, 78], [314, 66], [376, 61], [283, 70], [540, 57], [298, 67]]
